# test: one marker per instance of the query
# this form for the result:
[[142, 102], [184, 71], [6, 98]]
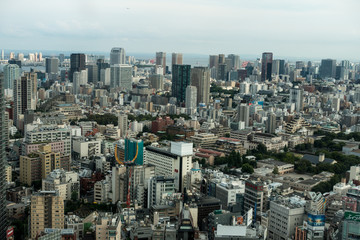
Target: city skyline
[[205, 27]]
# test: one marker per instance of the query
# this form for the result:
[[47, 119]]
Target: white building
[[66, 183], [191, 97], [176, 162], [159, 187], [108, 226], [85, 147], [121, 76]]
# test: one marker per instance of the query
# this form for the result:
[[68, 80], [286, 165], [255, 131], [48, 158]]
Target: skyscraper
[[52, 65], [328, 68], [235, 61], [270, 123], [266, 66], [77, 63], [200, 78], [191, 97], [157, 81], [282, 67], [243, 113], [3, 220], [123, 124], [11, 72], [61, 57], [2, 54], [214, 61], [23, 95], [121, 76], [117, 56], [180, 80], [161, 60], [177, 58], [92, 73], [297, 97]]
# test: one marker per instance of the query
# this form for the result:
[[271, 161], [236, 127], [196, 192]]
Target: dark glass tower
[[3, 220], [77, 63], [180, 80], [266, 66]]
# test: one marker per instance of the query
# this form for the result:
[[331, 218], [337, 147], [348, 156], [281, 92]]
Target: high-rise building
[[281, 67], [243, 113], [123, 124], [266, 66], [276, 67], [77, 63], [47, 211], [200, 78], [180, 80], [117, 56], [3, 219], [297, 97], [161, 60], [191, 97], [157, 81], [177, 162], [61, 57], [235, 61], [328, 68], [254, 196], [52, 65], [2, 54], [270, 123], [213, 61], [11, 72], [221, 58], [92, 70], [176, 58], [121, 76], [14, 61], [23, 97]]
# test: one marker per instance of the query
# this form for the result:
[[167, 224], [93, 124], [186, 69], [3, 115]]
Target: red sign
[[10, 232]]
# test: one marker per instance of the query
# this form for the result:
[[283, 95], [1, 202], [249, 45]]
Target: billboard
[[316, 220], [249, 217], [352, 216]]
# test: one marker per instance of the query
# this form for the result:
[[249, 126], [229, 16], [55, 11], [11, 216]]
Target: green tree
[[74, 196], [275, 170], [247, 168]]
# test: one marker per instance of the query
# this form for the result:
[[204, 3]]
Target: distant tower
[[270, 123], [61, 57], [2, 55], [121, 76], [243, 113], [266, 66], [77, 63], [200, 78], [235, 61], [214, 61], [52, 65], [123, 124], [117, 56], [157, 81], [161, 60], [191, 97], [328, 68], [3, 134], [180, 80], [297, 97], [11, 72], [177, 58]]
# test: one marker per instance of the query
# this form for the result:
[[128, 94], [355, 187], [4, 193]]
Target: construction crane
[[127, 164]]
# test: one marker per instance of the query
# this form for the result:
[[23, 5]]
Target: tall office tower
[[36, 57], [79, 78], [345, 64], [328, 68], [11, 56], [282, 67], [191, 97], [214, 61], [47, 211], [40, 57], [266, 66], [3, 133], [77, 63], [101, 64], [34, 84], [23, 91], [270, 123], [299, 64], [11, 72], [61, 57], [52, 65], [157, 81], [243, 113], [200, 78], [92, 73], [123, 124], [121, 76], [117, 56], [235, 61], [276, 67], [2, 54], [222, 72], [180, 80], [297, 97], [14, 61], [20, 57], [161, 60], [105, 76], [221, 58], [176, 58]]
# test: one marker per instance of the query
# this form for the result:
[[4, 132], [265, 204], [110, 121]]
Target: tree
[[74, 196], [247, 168], [261, 148], [286, 149], [227, 135], [276, 170]]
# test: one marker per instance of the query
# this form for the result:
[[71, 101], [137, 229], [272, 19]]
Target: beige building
[[8, 173], [108, 227], [47, 211], [204, 140], [38, 165]]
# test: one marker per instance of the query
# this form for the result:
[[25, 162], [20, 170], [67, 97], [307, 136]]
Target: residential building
[[158, 186], [11, 73], [86, 147], [180, 80], [3, 137], [161, 61], [200, 78], [52, 65], [108, 226]]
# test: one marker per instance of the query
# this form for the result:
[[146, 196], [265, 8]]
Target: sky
[[304, 29]]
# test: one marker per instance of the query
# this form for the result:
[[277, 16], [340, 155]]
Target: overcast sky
[[307, 28]]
